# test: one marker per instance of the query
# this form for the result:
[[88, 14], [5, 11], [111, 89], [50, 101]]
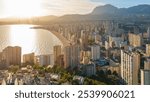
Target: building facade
[[43, 60], [147, 64], [148, 33], [95, 52], [135, 40], [148, 49], [145, 77], [71, 56], [57, 53], [29, 58], [130, 66], [12, 55]]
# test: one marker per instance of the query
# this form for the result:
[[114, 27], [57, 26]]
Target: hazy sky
[[27, 8], [123, 3]]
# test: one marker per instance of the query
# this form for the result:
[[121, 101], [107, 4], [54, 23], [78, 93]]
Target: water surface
[[31, 40]]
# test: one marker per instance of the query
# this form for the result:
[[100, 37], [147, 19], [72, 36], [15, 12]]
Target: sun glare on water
[[23, 36], [23, 8]]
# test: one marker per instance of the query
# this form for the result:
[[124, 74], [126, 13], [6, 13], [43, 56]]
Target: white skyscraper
[[130, 65]]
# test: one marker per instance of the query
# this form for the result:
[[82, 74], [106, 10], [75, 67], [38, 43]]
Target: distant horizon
[[26, 9]]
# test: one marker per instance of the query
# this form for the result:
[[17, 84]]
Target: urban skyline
[[101, 49], [109, 46]]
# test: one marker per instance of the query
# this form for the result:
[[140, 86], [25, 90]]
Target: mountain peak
[[108, 5], [109, 9]]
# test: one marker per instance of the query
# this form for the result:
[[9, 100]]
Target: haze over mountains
[[106, 12], [109, 12], [109, 9]]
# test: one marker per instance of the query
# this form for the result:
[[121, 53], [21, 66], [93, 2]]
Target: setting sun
[[23, 8]]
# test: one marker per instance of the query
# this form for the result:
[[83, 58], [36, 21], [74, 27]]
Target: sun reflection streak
[[24, 36]]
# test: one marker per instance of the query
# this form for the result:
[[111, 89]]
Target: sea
[[39, 41]]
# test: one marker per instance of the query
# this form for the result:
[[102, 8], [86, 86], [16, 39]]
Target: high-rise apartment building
[[85, 57], [148, 49], [84, 39], [60, 61], [2, 61], [145, 73], [130, 66], [67, 57], [28, 58], [12, 55], [57, 53], [43, 60], [148, 33], [95, 52], [135, 40], [71, 56]]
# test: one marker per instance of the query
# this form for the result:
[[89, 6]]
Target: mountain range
[[109, 9], [105, 12], [110, 12]]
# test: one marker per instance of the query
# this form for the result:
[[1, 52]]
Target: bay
[[30, 40]]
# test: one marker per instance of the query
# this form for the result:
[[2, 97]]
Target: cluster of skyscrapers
[[126, 45], [123, 48]]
